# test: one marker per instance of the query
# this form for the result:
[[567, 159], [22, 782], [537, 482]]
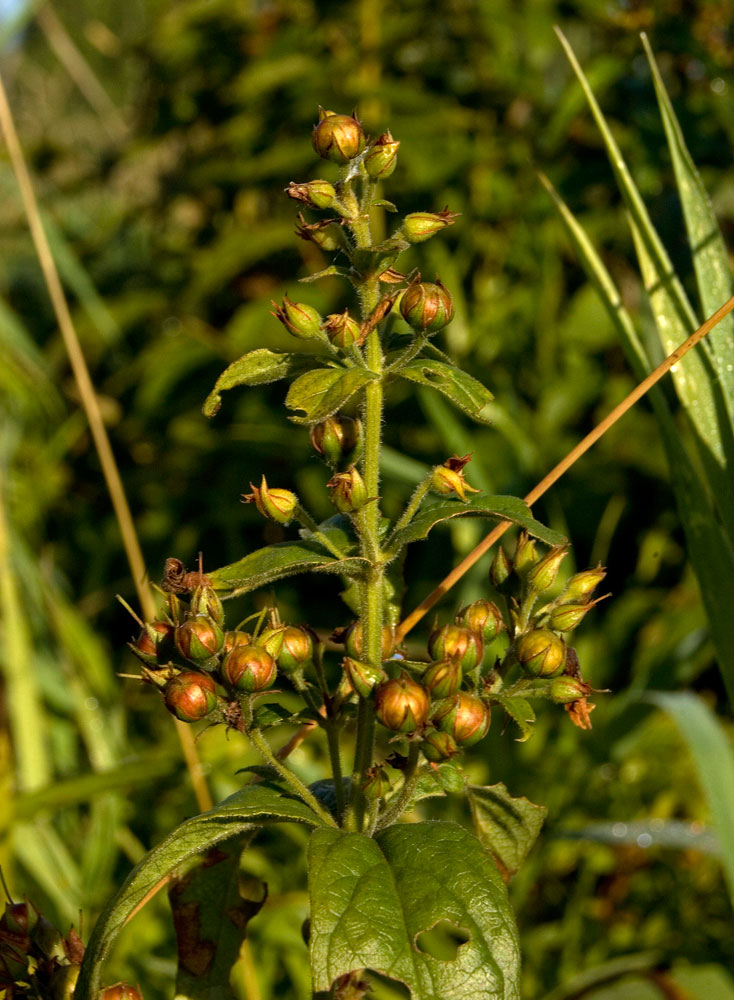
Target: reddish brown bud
[[341, 329], [443, 678], [154, 645], [338, 137], [190, 696], [452, 642], [19, 918], [541, 652], [427, 306], [353, 639], [297, 648], [121, 991], [482, 617], [235, 638], [249, 668], [464, 716], [402, 704], [199, 639]]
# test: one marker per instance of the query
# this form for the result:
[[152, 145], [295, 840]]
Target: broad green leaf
[[211, 907], [521, 712], [322, 392], [254, 368], [433, 512], [274, 562], [463, 390], [713, 756], [506, 827], [248, 808], [371, 899]]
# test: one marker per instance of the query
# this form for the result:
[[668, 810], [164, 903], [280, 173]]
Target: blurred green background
[[161, 135]]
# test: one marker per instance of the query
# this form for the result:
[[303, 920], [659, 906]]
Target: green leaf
[[387, 205], [322, 392], [211, 908], [434, 511], [371, 899], [713, 756], [520, 711], [463, 390], [506, 827], [274, 562], [254, 368], [248, 808]]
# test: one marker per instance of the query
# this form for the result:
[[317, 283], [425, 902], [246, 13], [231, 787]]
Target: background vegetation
[[161, 136]]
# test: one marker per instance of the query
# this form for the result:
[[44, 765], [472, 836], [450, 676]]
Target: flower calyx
[[402, 704], [326, 234], [338, 440], [190, 696], [277, 504], [316, 194]]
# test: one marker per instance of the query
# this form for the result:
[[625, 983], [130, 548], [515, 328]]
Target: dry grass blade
[[92, 411]]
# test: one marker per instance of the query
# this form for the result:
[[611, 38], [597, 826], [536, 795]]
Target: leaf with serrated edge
[[274, 562], [433, 512], [320, 393], [520, 711], [507, 827], [372, 898], [252, 806], [255, 368], [461, 389]]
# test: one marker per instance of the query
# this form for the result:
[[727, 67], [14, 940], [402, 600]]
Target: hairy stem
[[412, 773]]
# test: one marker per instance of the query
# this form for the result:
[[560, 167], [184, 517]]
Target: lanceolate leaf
[[255, 368], [433, 512], [322, 392], [265, 566], [371, 899], [506, 827], [463, 390], [246, 809]]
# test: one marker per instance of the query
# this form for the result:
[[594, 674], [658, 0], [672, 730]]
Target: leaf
[[248, 808], [432, 512], [463, 390], [274, 562], [520, 711], [713, 756], [211, 908], [338, 529], [371, 899], [323, 391], [387, 205], [506, 827], [271, 714], [254, 368]]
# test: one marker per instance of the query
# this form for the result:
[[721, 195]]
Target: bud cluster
[[35, 958]]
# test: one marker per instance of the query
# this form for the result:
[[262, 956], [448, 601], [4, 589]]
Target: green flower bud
[[279, 505], [463, 716], [427, 306], [348, 491], [377, 784], [327, 234], [382, 157], [500, 568], [564, 689], [421, 226], [338, 440], [525, 557], [249, 668], [449, 478], [199, 639], [543, 574], [317, 194], [121, 991], [297, 648], [582, 585], [482, 617], [338, 138], [541, 652], [154, 645], [235, 638], [271, 639], [353, 639], [302, 320], [567, 617], [438, 746], [190, 696], [363, 677], [206, 601], [402, 704], [443, 678], [341, 329], [452, 642]]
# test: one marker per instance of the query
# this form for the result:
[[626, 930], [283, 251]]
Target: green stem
[[412, 774], [407, 355], [257, 739], [410, 511], [308, 522]]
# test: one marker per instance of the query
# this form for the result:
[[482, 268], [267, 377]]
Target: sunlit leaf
[[462, 389], [507, 827], [322, 392], [274, 562], [254, 368]]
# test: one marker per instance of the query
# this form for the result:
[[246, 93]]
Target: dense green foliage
[[172, 234]]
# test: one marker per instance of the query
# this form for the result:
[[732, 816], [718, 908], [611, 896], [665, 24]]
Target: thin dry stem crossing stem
[[563, 466], [91, 407]]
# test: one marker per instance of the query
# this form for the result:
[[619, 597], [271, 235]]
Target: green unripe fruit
[[452, 642], [190, 696], [464, 717], [206, 601], [438, 746], [402, 704], [582, 585], [235, 638], [566, 617], [19, 918], [421, 226], [297, 648], [155, 645], [249, 669], [443, 678], [338, 138], [566, 689], [543, 574], [500, 568], [354, 644], [317, 194], [482, 617], [338, 440], [541, 652], [427, 306], [363, 677], [302, 320], [348, 491], [341, 329], [199, 639], [382, 157]]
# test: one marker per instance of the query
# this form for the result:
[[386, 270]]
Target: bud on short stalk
[[482, 617], [155, 644], [377, 784], [338, 138], [327, 234], [421, 226], [452, 642], [464, 717], [427, 306], [249, 669], [449, 478], [564, 690], [402, 704], [543, 574], [277, 504], [206, 601], [235, 638], [438, 746], [581, 586], [338, 440], [190, 696], [317, 194], [341, 329], [567, 617], [363, 677], [382, 157], [302, 320], [525, 556], [199, 638], [500, 569], [298, 647], [541, 652], [348, 491], [443, 678]]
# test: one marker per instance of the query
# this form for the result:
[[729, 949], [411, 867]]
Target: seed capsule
[[249, 668], [564, 690], [525, 557], [421, 226], [438, 746], [338, 440], [235, 638], [402, 704], [543, 574], [382, 157], [277, 504], [206, 601], [353, 639], [500, 568], [541, 652], [567, 617], [199, 638], [427, 306], [155, 645], [443, 678], [464, 716], [190, 696], [582, 585], [338, 137], [317, 194], [363, 677], [482, 617], [452, 642], [341, 329], [302, 320], [348, 491], [297, 648]]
